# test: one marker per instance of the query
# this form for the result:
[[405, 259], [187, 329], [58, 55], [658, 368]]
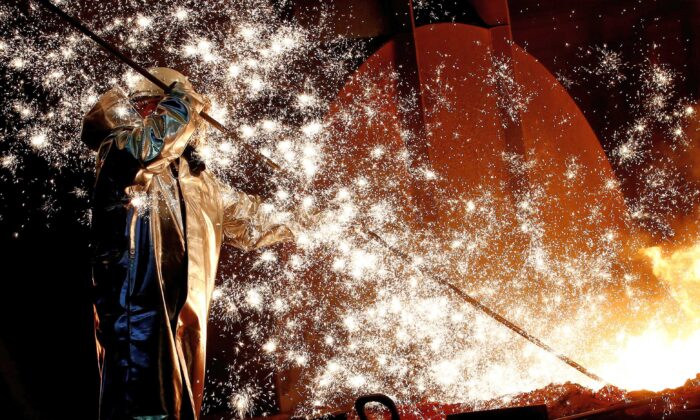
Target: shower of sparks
[[656, 109], [512, 98], [339, 315], [607, 65]]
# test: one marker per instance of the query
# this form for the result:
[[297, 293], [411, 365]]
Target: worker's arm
[[249, 223]]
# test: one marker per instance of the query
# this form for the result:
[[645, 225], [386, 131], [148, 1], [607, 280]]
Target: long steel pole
[[490, 312], [374, 236], [145, 73]]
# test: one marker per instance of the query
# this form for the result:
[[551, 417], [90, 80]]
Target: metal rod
[[490, 312], [466, 297], [145, 73]]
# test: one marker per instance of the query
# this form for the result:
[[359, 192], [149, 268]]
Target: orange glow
[[654, 360], [680, 271], [663, 357]]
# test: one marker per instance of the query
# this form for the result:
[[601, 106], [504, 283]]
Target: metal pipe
[[145, 73], [490, 312]]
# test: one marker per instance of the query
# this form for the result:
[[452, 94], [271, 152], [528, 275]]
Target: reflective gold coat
[[158, 224]]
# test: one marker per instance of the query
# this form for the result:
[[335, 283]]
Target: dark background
[[47, 354]]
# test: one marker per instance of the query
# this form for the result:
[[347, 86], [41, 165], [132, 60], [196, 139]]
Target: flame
[[662, 356], [681, 273], [655, 360]]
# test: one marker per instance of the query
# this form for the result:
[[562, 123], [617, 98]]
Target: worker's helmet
[[143, 87]]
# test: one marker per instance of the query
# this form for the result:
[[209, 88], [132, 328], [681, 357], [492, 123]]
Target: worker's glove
[[196, 101]]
